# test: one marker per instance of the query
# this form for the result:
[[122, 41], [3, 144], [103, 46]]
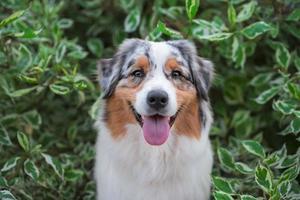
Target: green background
[[48, 89]]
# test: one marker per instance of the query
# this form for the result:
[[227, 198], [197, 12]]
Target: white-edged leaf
[[192, 8], [4, 138], [59, 89], [283, 56], [31, 170], [215, 36], [132, 20], [263, 178], [6, 195], [247, 11], [255, 29], [248, 197], [226, 158], [222, 185], [295, 125], [21, 92], [295, 15], [231, 14], [267, 95], [3, 182], [284, 187], [73, 174], [23, 141], [218, 195], [243, 168], [10, 164], [283, 107], [55, 164], [168, 31], [238, 53], [254, 148], [12, 18]]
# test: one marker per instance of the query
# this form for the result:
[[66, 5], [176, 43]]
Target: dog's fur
[[127, 167]]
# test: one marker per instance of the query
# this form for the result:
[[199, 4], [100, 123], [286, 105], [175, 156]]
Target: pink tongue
[[156, 129]]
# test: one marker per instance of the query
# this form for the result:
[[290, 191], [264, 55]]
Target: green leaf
[[132, 20], [295, 15], [263, 178], [283, 56], [21, 92], [73, 175], [254, 148], [28, 33], [33, 118], [238, 53], [12, 18], [294, 90], [283, 107], [255, 29], [261, 79], [6, 195], [65, 23], [243, 168], [95, 108], [3, 182], [60, 52], [218, 195], [95, 45], [248, 197], [192, 7], [167, 31], [239, 117], [215, 37], [10, 164], [222, 185], [247, 11], [267, 95], [290, 174], [226, 158], [55, 164], [31, 170], [284, 187], [295, 125], [4, 138], [23, 141], [231, 14], [59, 89]]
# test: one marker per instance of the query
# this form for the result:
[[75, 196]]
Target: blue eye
[[138, 73]]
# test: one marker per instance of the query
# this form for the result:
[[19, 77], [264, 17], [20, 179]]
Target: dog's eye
[[176, 74], [138, 73]]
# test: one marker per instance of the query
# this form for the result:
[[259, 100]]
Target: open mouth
[[156, 128], [139, 118]]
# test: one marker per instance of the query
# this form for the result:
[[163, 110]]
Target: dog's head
[[157, 85]]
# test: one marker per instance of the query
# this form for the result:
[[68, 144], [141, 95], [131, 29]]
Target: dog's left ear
[[202, 70]]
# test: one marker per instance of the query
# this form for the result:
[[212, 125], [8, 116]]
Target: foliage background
[[48, 86]]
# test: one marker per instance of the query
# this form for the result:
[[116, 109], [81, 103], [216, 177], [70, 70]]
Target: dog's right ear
[[105, 69], [110, 70], [108, 76]]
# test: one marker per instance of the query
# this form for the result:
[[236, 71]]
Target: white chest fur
[[131, 169]]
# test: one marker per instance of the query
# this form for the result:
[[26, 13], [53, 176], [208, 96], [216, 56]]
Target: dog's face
[[157, 85]]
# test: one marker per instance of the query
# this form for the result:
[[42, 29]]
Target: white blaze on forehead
[[159, 53]]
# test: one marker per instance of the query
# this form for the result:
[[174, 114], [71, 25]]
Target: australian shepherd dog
[[153, 127]]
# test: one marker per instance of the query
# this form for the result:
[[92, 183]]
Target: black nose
[[157, 99]]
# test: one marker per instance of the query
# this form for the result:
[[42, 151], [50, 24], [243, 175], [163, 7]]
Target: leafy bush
[[48, 86]]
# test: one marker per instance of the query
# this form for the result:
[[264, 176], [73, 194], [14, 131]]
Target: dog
[[153, 127]]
